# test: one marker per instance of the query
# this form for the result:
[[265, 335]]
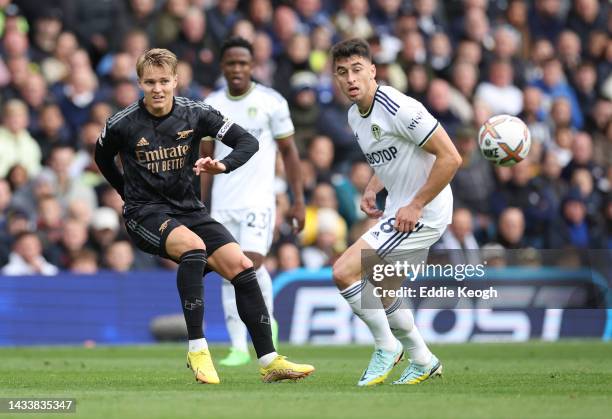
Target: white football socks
[[236, 330], [401, 322], [265, 360], [265, 283], [196, 345], [370, 309]]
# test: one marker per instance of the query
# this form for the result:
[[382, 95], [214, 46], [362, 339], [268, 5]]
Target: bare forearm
[[441, 174], [291, 160], [374, 185]]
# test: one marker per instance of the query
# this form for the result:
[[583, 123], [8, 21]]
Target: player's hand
[[208, 165], [297, 215], [407, 217], [368, 205]]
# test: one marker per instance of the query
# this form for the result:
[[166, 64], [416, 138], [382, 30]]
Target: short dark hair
[[233, 42], [351, 47]]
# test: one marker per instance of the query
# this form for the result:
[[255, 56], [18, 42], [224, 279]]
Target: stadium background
[[65, 66]]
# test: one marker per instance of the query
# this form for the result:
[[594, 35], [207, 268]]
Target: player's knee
[[245, 263], [195, 243], [342, 274]]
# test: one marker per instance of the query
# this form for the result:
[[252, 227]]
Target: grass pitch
[[572, 379]]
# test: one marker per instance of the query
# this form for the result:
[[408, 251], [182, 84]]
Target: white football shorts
[[387, 240], [253, 228]]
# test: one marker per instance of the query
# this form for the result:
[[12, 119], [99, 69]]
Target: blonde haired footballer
[[414, 159]]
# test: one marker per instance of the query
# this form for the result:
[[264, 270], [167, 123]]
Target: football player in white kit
[[244, 201], [414, 159]]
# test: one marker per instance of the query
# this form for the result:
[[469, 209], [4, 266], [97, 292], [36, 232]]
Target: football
[[504, 140]]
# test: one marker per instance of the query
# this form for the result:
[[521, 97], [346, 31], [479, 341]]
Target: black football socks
[[253, 312], [191, 289]]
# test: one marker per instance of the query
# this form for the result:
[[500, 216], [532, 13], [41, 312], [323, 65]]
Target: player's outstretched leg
[[239, 351], [359, 294], [265, 283], [230, 262], [423, 364], [186, 247]]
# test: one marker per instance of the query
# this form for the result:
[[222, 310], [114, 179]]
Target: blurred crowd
[[67, 65]]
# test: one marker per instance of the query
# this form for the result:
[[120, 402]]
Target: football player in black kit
[[157, 139]]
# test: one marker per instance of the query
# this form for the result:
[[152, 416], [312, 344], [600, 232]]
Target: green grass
[[572, 379]]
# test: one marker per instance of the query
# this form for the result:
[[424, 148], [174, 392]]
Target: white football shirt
[[264, 113], [391, 135]]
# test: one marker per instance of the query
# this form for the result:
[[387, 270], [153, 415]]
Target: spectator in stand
[[582, 158], [569, 51], [104, 229], [511, 228], [186, 86], [553, 85], [73, 241], [311, 14], [438, 100], [533, 115], [286, 25], [586, 16], [119, 256], [35, 94], [459, 239], [84, 262], [474, 181], [574, 227], [352, 20], [196, 46], [49, 225], [56, 67], [142, 15], [26, 257], [582, 181], [545, 21], [46, 29], [66, 186], [418, 81], [221, 18], [304, 108], [288, 255], [321, 155], [499, 93], [585, 84], [264, 67], [261, 15], [328, 245], [295, 60], [440, 54], [52, 130], [349, 191], [16, 143], [168, 22]]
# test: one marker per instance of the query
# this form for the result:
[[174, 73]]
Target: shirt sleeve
[[243, 144], [281, 124], [414, 123], [107, 147], [213, 124]]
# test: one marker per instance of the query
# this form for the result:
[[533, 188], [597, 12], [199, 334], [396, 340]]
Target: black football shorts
[[149, 228]]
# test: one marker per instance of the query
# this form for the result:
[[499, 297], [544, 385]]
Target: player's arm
[[291, 160], [368, 200], [243, 144], [447, 162], [207, 149], [105, 159]]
